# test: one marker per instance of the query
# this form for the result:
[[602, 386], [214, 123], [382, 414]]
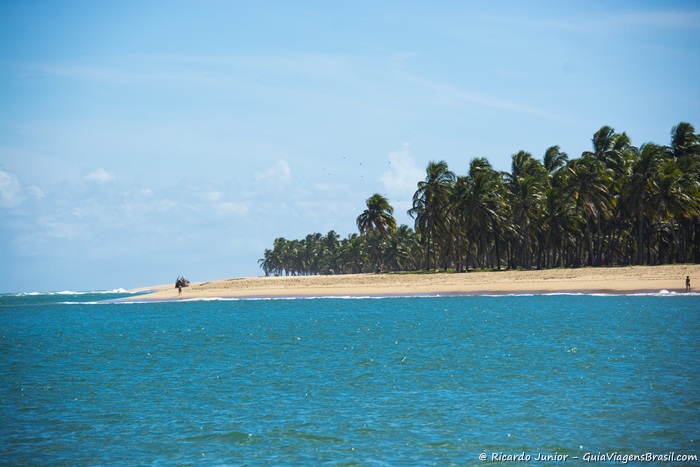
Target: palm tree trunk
[[696, 243], [458, 253], [577, 253], [427, 252], [469, 252], [591, 251], [498, 254], [673, 247], [511, 254], [640, 236]]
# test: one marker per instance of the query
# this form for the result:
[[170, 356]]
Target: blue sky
[[140, 140]]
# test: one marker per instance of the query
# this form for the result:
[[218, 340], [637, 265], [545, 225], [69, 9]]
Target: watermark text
[[590, 457]]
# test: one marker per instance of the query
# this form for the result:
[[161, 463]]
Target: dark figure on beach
[[687, 283], [180, 283]]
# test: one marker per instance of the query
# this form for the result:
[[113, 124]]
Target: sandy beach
[[613, 280]]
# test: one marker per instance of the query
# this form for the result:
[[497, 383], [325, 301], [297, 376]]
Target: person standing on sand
[[687, 283]]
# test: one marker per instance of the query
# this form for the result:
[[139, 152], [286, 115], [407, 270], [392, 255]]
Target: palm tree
[[587, 182], [354, 253], [684, 141], [378, 216], [675, 197], [377, 223], [685, 149], [554, 160], [525, 188], [431, 205], [556, 219], [560, 223], [276, 260], [478, 203], [404, 248], [603, 141], [647, 160], [265, 262], [608, 174], [609, 148], [331, 246]]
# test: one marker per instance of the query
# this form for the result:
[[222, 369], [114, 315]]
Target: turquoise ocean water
[[362, 381]]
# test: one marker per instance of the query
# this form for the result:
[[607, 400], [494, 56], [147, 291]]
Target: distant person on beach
[[180, 283], [687, 283]]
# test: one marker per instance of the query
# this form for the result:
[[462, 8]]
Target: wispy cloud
[[100, 176], [284, 70], [10, 190], [135, 72], [605, 20], [231, 208], [449, 94], [65, 226], [13, 193], [671, 18], [278, 175], [400, 180]]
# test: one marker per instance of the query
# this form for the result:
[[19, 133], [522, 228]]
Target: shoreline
[[626, 280]]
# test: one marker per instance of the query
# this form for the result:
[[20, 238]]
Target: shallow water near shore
[[393, 381]]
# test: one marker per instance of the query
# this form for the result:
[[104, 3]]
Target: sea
[[109, 379]]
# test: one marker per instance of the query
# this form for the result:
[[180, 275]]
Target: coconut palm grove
[[616, 205]]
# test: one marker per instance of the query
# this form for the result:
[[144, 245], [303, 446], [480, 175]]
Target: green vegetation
[[615, 205]]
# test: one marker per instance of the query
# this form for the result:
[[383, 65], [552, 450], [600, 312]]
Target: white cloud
[[36, 192], [64, 227], [162, 205], [213, 196], [100, 176], [12, 193], [401, 179], [231, 208], [279, 174], [10, 190], [207, 195]]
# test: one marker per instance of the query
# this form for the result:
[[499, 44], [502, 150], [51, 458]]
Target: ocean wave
[[78, 303], [74, 292], [140, 300], [665, 293]]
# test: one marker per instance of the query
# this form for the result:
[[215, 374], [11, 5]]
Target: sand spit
[[613, 280]]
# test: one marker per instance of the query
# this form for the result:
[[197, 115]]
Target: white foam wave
[[75, 292], [661, 293], [140, 300], [79, 303]]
